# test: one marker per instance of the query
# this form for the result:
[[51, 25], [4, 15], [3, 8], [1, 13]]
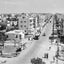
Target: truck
[[36, 35]]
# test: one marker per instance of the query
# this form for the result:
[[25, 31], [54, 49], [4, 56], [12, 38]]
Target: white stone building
[[16, 35]]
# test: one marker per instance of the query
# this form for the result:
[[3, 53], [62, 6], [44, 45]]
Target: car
[[18, 50], [44, 34], [36, 38]]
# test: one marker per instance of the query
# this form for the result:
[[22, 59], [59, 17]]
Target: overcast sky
[[19, 6]]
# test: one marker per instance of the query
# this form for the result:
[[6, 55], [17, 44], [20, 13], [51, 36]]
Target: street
[[36, 49]]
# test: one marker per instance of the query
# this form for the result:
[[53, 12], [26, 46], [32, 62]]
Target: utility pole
[[57, 52]]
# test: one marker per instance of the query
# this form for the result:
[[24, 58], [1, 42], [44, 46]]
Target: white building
[[16, 35]]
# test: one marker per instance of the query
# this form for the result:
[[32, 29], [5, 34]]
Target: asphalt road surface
[[34, 49]]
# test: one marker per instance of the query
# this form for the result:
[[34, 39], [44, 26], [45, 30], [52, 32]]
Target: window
[[30, 20], [2, 21], [25, 30], [24, 25], [25, 21], [16, 36], [21, 26], [21, 21]]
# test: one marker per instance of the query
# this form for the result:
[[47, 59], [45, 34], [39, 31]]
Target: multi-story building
[[32, 24], [35, 24], [27, 22], [23, 22], [12, 22]]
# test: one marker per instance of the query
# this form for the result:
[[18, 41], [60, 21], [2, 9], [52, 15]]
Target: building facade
[[23, 22], [28, 23], [16, 35]]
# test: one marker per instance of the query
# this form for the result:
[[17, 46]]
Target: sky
[[34, 6]]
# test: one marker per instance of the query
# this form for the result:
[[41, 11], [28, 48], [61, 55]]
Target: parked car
[[44, 34]]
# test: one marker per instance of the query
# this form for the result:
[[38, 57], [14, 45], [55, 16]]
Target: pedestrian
[[54, 59], [49, 47]]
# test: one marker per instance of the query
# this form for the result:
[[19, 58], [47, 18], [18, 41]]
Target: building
[[42, 18], [16, 35], [12, 22], [23, 22], [32, 25], [36, 19], [59, 22], [28, 22]]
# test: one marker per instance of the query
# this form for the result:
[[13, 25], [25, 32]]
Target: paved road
[[25, 56]]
